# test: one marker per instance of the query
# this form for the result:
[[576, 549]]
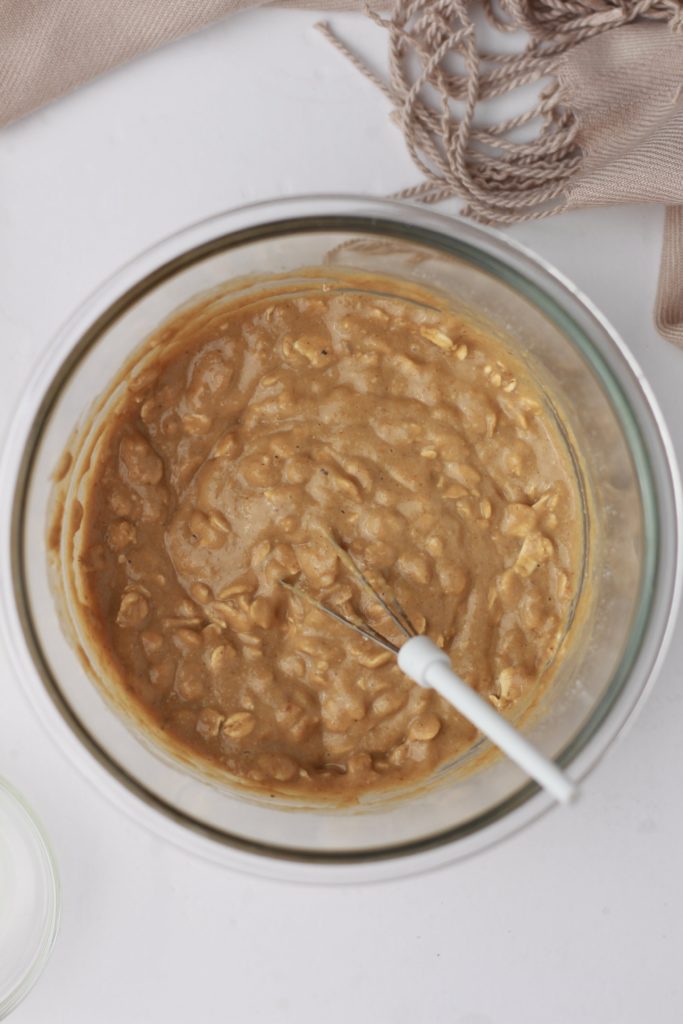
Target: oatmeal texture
[[424, 448]]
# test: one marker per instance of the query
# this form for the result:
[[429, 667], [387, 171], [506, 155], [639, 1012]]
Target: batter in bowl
[[248, 429]]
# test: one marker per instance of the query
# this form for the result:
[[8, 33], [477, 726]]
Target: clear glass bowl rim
[[53, 910], [555, 296]]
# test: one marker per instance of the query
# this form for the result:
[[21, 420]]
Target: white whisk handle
[[429, 666]]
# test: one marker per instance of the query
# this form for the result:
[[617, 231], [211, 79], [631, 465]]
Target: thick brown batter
[[426, 450]]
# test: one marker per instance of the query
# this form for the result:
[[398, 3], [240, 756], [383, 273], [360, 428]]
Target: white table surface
[[576, 921]]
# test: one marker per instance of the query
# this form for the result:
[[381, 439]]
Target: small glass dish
[[29, 899], [624, 455]]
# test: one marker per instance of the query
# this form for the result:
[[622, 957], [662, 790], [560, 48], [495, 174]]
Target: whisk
[[428, 666]]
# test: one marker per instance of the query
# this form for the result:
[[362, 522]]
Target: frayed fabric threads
[[606, 126]]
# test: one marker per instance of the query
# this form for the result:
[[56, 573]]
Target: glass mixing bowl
[[624, 465]]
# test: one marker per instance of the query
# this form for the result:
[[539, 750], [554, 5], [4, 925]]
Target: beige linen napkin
[[48, 47], [608, 127], [632, 139]]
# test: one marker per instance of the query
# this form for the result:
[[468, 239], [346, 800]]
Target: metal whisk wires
[[427, 665], [392, 607]]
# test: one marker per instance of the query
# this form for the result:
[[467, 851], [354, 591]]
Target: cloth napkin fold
[[50, 47], [626, 91], [610, 114]]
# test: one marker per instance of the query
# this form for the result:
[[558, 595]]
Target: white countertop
[[578, 920]]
